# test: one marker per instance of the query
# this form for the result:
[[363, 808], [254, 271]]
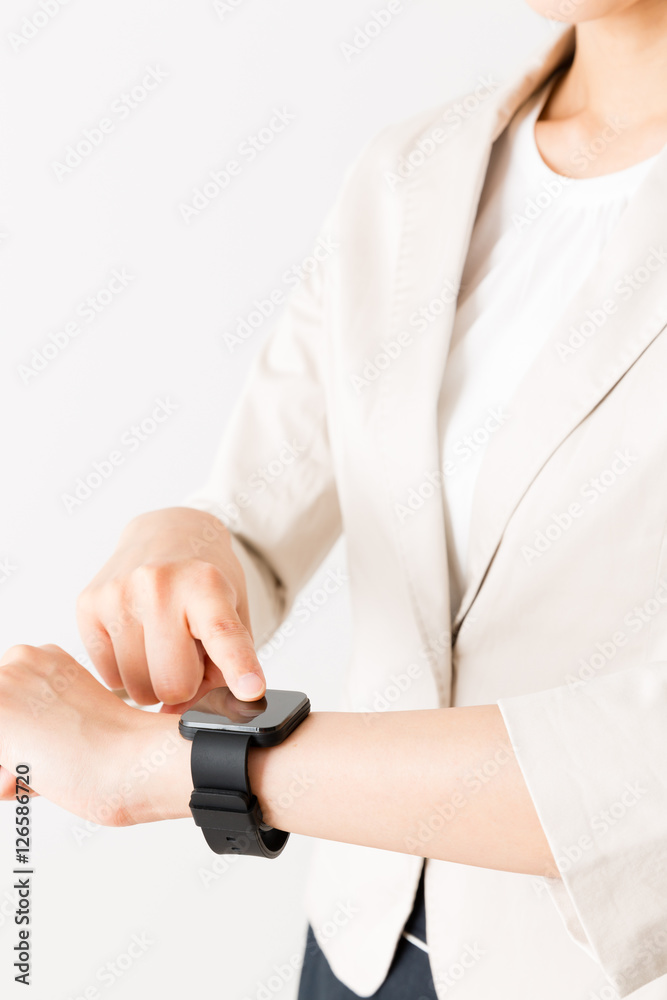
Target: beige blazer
[[564, 620]]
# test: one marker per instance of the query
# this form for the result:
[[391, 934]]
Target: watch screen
[[221, 709]]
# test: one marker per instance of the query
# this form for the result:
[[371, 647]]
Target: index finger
[[214, 621]]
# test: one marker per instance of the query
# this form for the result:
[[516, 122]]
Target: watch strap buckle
[[229, 810]]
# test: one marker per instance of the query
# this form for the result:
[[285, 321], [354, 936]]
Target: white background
[[163, 337]]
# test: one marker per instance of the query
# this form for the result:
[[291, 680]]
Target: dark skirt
[[409, 974]]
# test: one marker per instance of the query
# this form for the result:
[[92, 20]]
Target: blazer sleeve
[[594, 757], [272, 482]]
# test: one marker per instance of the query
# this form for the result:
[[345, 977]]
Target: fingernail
[[250, 685]]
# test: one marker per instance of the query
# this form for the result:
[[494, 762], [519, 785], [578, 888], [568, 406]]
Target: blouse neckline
[[619, 183]]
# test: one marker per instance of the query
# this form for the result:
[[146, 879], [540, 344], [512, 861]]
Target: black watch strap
[[222, 804]]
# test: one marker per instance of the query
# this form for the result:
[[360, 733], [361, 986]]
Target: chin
[[578, 11]]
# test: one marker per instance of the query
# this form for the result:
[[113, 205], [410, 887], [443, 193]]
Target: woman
[[472, 388]]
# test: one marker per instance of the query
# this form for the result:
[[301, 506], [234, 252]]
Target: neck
[[620, 65]]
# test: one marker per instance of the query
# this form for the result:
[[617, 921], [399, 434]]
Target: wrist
[[279, 776], [158, 783]]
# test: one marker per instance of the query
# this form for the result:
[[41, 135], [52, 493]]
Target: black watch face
[[221, 710]]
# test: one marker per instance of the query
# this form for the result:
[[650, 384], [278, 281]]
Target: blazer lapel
[[580, 363], [439, 206]]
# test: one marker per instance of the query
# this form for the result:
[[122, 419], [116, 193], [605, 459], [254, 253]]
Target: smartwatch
[[221, 728]]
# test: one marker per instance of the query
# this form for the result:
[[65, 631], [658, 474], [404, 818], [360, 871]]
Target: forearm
[[437, 783], [440, 783]]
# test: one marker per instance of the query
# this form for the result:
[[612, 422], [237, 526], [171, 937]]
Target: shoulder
[[447, 117], [395, 151]]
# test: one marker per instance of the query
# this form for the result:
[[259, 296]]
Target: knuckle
[[209, 575], [225, 627], [145, 575], [154, 581], [174, 690], [23, 664], [21, 653], [97, 601], [86, 602], [96, 640], [53, 650]]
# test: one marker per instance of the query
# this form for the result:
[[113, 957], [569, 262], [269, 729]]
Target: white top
[[536, 236]]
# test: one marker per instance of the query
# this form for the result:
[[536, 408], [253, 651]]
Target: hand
[[87, 750], [167, 616]]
